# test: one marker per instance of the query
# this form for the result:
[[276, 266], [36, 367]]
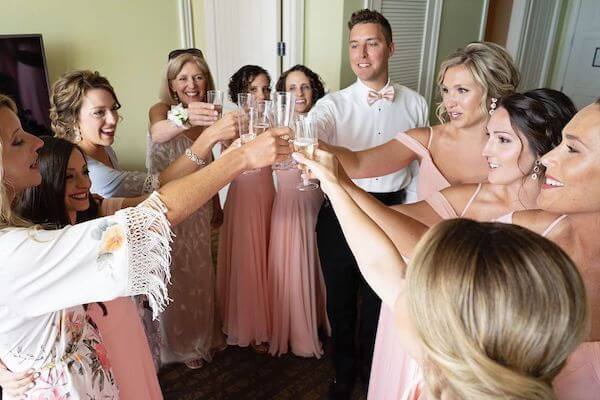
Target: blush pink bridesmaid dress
[[125, 339], [296, 285], [242, 287], [393, 371], [580, 378]]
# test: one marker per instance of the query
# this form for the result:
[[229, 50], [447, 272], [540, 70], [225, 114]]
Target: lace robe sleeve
[[121, 255]]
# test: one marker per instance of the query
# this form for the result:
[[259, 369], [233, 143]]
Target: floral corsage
[[178, 114]]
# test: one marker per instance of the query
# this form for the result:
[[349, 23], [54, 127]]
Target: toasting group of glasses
[[255, 117]]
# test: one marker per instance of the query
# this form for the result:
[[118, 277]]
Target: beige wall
[[326, 40], [323, 39], [127, 41]]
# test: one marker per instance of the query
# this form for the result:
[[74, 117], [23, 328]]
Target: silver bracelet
[[194, 157]]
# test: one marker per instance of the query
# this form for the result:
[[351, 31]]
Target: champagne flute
[[305, 142], [215, 97], [246, 125], [245, 101], [284, 105], [264, 116]]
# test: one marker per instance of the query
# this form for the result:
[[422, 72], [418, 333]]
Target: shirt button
[[379, 108], [379, 133]]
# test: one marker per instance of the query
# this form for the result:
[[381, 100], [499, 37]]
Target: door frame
[[517, 35], [186, 24], [562, 55], [290, 30]]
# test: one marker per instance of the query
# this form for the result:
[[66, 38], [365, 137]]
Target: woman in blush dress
[[190, 328], [297, 289], [84, 110], [242, 286], [519, 135], [62, 199], [500, 318], [470, 80], [570, 217]]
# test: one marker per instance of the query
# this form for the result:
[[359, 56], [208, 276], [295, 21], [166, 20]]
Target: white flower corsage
[[178, 114]]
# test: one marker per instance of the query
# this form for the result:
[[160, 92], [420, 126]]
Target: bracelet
[[194, 157]]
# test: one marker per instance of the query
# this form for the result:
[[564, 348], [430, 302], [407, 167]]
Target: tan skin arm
[[162, 130], [380, 160], [224, 129], [185, 195], [377, 161], [399, 225], [378, 259]]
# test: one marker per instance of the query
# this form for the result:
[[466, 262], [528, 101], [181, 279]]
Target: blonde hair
[[497, 308], [174, 67], [492, 68], [67, 96], [7, 216]]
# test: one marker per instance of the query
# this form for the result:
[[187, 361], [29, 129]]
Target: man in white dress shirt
[[366, 114]]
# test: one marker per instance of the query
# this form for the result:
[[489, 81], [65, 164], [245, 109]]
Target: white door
[[240, 33], [582, 76]]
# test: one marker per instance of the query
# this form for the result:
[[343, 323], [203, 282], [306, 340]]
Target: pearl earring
[[493, 105], [77, 135], [537, 169]]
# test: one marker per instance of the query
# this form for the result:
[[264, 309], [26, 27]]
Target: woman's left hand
[[16, 385], [324, 167], [202, 114]]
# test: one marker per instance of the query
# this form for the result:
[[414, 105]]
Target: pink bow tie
[[387, 94]]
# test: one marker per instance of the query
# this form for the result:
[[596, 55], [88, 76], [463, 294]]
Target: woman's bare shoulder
[[420, 134], [535, 220]]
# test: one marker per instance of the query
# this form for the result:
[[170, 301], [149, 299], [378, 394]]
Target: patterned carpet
[[240, 373]]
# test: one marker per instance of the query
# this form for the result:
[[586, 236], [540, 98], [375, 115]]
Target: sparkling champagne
[[260, 128], [247, 137], [306, 146]]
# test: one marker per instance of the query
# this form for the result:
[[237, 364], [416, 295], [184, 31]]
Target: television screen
[[24, 77]]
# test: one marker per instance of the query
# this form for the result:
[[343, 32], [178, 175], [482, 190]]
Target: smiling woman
[[190, 330], [44, 272], [570, 217]]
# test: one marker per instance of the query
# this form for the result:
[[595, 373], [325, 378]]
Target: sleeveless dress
[[580, 378], [242, 286], [297, 288], [123, 334], [122, 330], [393, 372], [111, 182], [190, 326]]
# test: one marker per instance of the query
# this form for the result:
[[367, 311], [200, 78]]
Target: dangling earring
[[76, 135], [537, 169], [493, 105]]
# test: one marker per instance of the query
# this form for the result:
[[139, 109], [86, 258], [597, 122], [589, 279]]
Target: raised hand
[[202, 114], [226, 128], [325, 167], [267, 148]]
